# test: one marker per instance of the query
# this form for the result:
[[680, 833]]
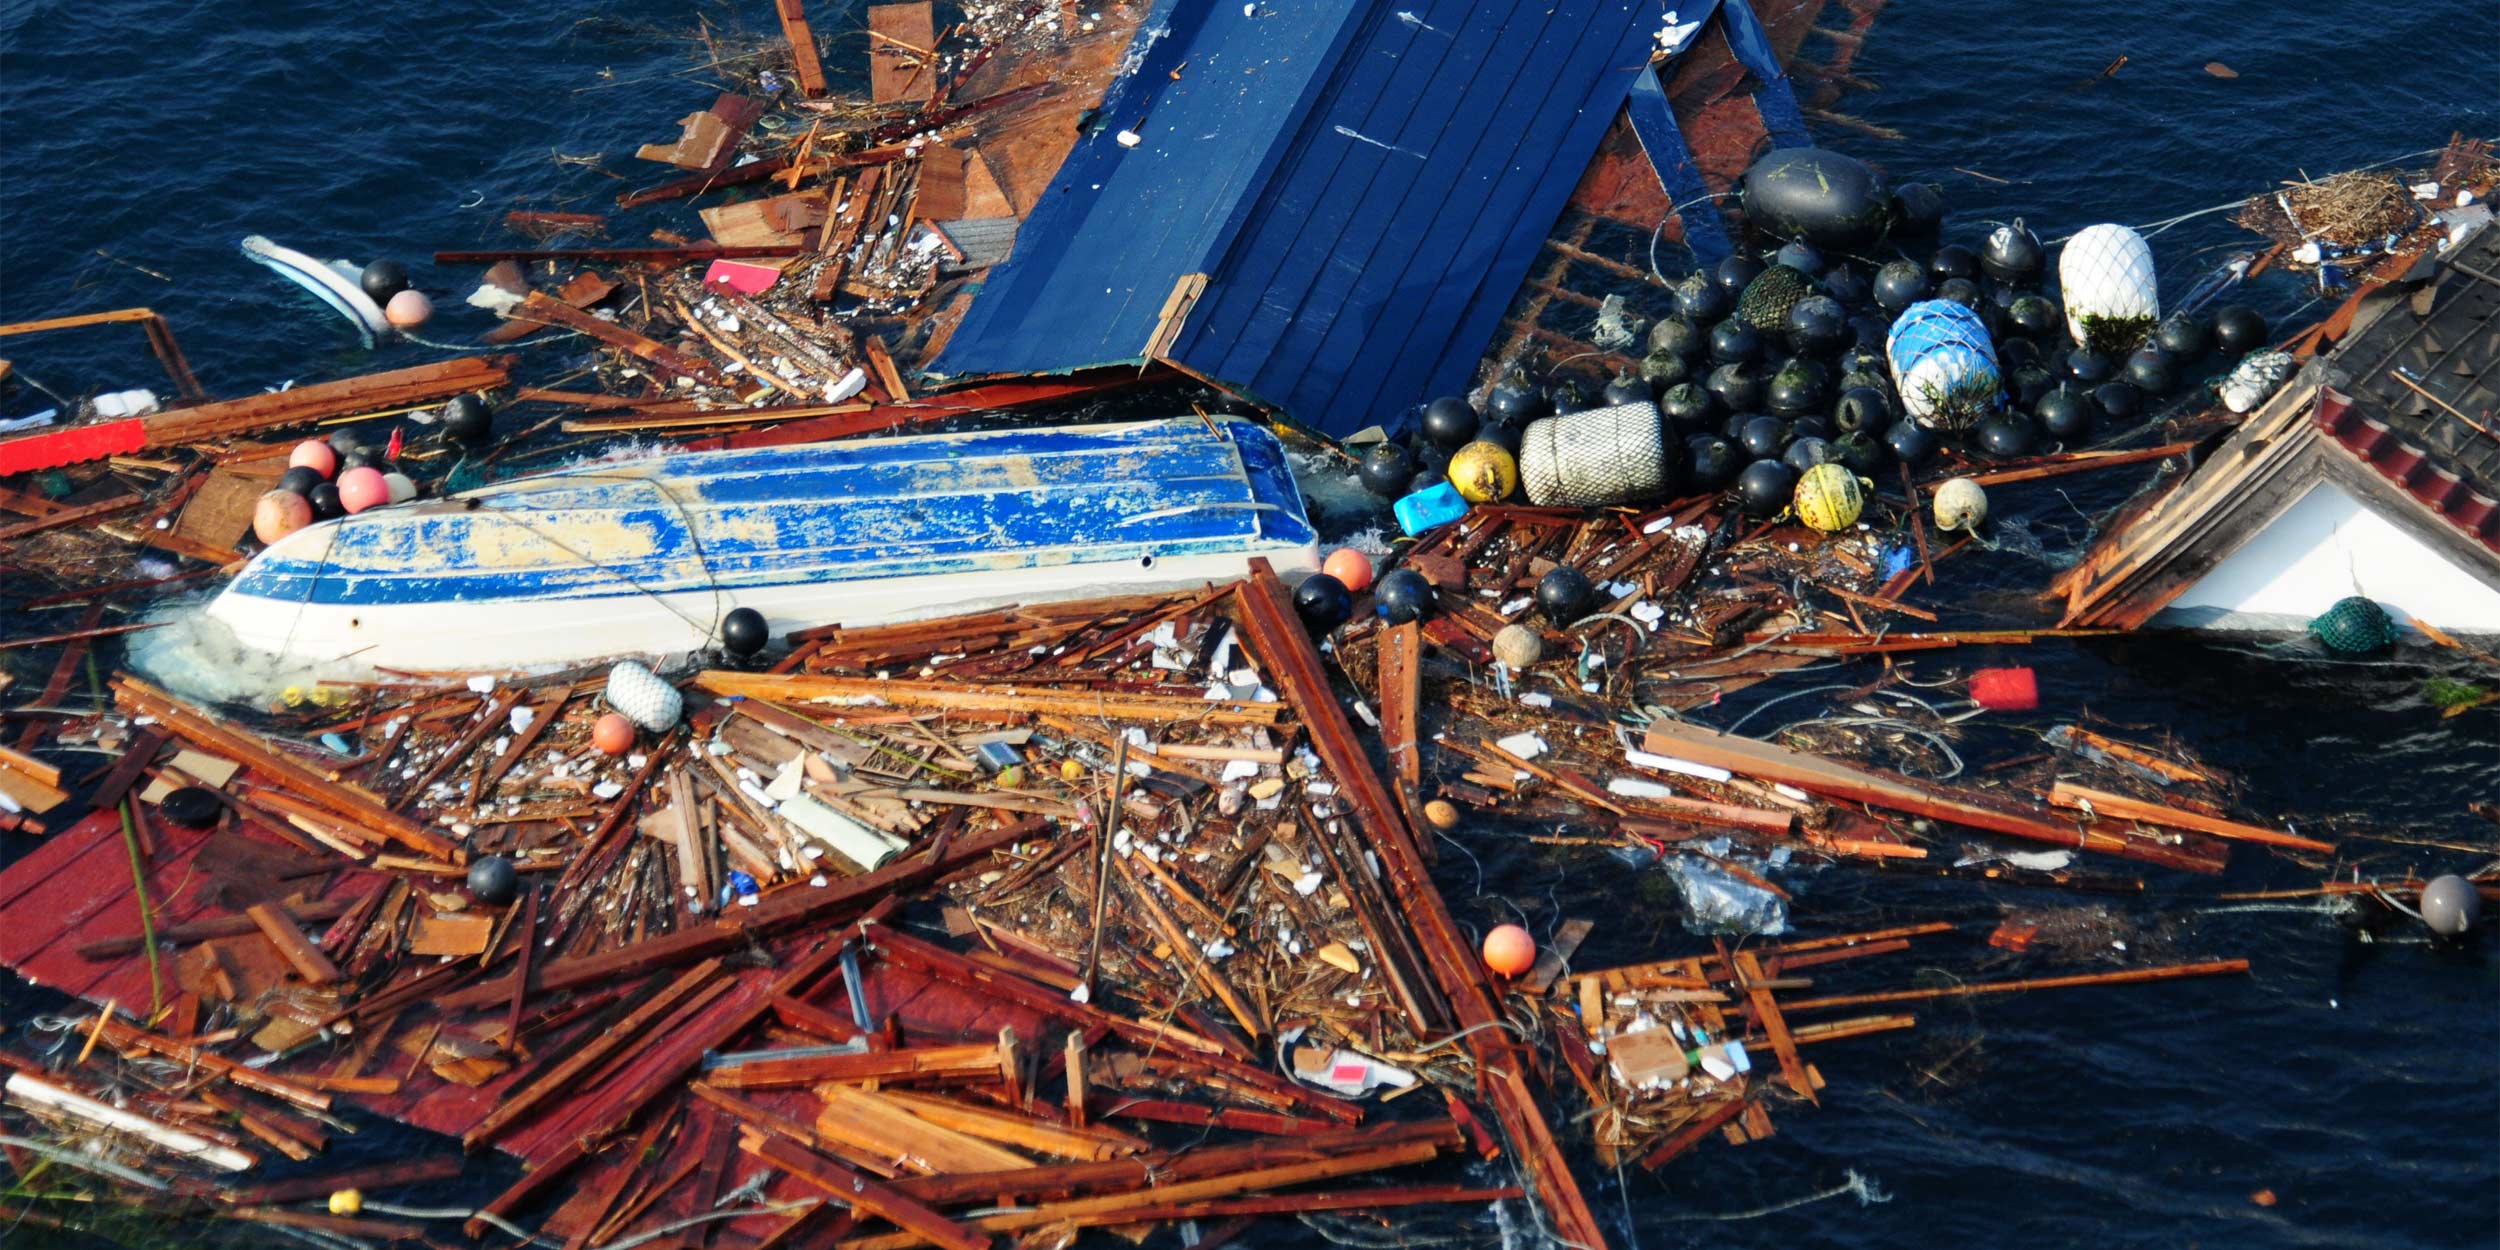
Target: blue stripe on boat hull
[[791, 517]]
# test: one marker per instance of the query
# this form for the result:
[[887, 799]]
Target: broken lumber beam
[[2126, 976], [979, 1060], [284, 933], [200, 930], [667, 256], [865, 1195], [126, 1038], [1766, 761], [1068, 1180], [1277, 637], [813, 688], [540, 307], [803, 56], [1094, 1209], [2120, 807], [327, 790], [780, 910], [373, 392]]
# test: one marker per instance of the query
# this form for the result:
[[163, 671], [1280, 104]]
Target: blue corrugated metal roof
[[1119, 225], [1365, 184]]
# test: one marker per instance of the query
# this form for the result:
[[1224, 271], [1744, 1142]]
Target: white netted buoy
[[2113, 297], [2257, 376], [1943, 364], [1961, 504], [1594, 457], [643, 697]]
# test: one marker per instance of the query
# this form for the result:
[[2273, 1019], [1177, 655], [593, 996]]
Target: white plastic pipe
[[31, 1092]]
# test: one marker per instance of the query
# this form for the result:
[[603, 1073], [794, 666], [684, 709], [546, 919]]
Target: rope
[[1866, 1191]]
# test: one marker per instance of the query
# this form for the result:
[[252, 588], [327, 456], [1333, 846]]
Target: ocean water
[[2355, 1074]]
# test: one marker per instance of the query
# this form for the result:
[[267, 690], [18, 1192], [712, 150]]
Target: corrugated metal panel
[[1375, 265], [1365, 185], [1216, 86]]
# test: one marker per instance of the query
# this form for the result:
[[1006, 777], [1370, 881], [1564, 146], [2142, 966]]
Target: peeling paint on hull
[[646, 557]]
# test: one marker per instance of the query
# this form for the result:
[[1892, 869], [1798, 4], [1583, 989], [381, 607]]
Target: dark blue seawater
[[2359, 1080]]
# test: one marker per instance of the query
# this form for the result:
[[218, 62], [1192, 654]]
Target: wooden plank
[[1255, 1180], [537, 306], [456, 935], [980, 1060], [397, 388], [942, 192], [518, 1101], [326, 789], [1556, 953], [1767, 1012], [1771, 762], [1278, 639], [881, 366], [812, 688], [2128, 976], [803, 55], [864, 1194], [902, 49], [872, 1123], [778, 911], [2120, 807], [283, 933], [220, 514], [1401, 688]]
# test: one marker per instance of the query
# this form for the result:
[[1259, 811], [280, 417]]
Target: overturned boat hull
[[646, 557]]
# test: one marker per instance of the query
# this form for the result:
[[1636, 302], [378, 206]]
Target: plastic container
[[1436, 505], [2005, 689]]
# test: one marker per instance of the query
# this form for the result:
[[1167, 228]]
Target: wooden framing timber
[[810, 688], [1276, 635]]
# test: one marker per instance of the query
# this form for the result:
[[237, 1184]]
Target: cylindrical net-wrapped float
[[1595, 457], [1943, 364], [2112, 296]]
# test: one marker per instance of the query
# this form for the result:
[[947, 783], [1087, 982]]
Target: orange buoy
[[1350, 567], [280, 513], [613, 734], [1509, 950], [316, 455]]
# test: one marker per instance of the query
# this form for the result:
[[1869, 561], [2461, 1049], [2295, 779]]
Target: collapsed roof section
[[1385, 176], [2398, 418]]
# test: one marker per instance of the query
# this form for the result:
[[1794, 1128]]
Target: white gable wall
[[2324, 547]]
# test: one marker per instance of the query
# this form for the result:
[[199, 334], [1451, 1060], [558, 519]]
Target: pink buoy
[[280, 513], [408, 310], [363, 487], [316, 455]]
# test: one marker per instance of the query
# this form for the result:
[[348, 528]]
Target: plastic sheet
[[1716, 903]]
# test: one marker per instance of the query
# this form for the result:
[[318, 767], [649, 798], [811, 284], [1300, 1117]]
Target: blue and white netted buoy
[[644, 698], [1943, 364], [2355, 626]]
